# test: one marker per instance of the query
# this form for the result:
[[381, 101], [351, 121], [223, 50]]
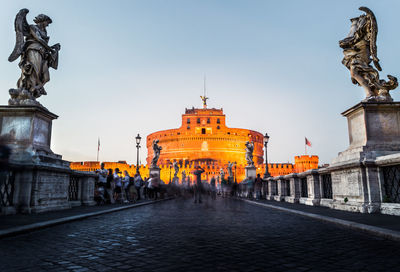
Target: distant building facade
[[204, 139]]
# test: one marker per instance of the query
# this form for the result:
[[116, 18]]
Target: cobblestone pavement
[[178, 235]]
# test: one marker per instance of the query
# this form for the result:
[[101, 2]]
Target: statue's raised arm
[[36, 58], [359, 49]]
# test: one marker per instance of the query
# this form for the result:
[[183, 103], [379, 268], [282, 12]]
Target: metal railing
[[326, 186], [304, 187], [391, 183], [73, 188], [6, 188]]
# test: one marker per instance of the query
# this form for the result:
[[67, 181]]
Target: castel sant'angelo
[[204, 139]]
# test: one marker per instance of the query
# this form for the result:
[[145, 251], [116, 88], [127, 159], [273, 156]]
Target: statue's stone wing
[[373, 33], [21, 30]]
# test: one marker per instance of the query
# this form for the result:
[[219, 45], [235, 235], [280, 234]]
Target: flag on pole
[[308, 142], [98, 148]]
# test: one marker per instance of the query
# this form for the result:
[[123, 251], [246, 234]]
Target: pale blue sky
[[129, 67]]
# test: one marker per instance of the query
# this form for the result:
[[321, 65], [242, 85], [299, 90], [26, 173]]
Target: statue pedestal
[[250, 172], [41, 178], [154, 171], [27, 131], [374, 131]]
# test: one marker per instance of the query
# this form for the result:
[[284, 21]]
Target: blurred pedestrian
[[138, 181], [250, 188], [213, 188], [198, 185], [257, 186], [145, 188], [125, 184], [110, 185], [118, 185], [102, 174]]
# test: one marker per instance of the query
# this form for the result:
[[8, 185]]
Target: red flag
[[308, 142]]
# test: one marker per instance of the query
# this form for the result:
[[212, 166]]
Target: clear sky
[[129, 67]]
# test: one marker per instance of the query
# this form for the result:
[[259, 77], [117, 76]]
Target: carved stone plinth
[[27, 131], [154, 171], [374, 131], [41, 178], [251, 172]]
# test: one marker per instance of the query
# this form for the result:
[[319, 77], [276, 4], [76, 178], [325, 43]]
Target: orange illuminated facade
[[204, 139]]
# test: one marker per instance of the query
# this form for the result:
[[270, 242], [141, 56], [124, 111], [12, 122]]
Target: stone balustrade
[[34, 188], [81, 188], [316, 188]]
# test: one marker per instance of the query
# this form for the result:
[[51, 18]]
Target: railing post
[[314, 196], [294, 188], [87, 190], [271, 189], [280, 183], [325, 184], [309, 186]]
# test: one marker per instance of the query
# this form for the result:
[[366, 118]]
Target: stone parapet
[[40, 188]]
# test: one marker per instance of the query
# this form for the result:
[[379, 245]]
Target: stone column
[[271, 190], [87, 190], [313, 185], [294, 188], [280, 183]]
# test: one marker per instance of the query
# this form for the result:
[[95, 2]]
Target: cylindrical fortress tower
[[204, 138]]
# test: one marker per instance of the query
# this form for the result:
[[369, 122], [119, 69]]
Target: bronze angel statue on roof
[[36, 58], [359, 49]]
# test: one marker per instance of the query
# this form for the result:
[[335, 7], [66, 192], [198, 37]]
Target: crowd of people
[[112, 186]]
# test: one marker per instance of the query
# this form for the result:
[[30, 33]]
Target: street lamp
[[170, 167], [235, 172], [138, 138], [266, 139]]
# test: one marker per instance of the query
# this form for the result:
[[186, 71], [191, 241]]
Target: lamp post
[[235, 173], [266, 139], [170, 166], [138, 138]]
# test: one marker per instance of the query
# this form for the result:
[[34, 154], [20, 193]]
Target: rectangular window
[[208, 120], [203, 131], [188, 121], [198, 120], [218, 121]]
